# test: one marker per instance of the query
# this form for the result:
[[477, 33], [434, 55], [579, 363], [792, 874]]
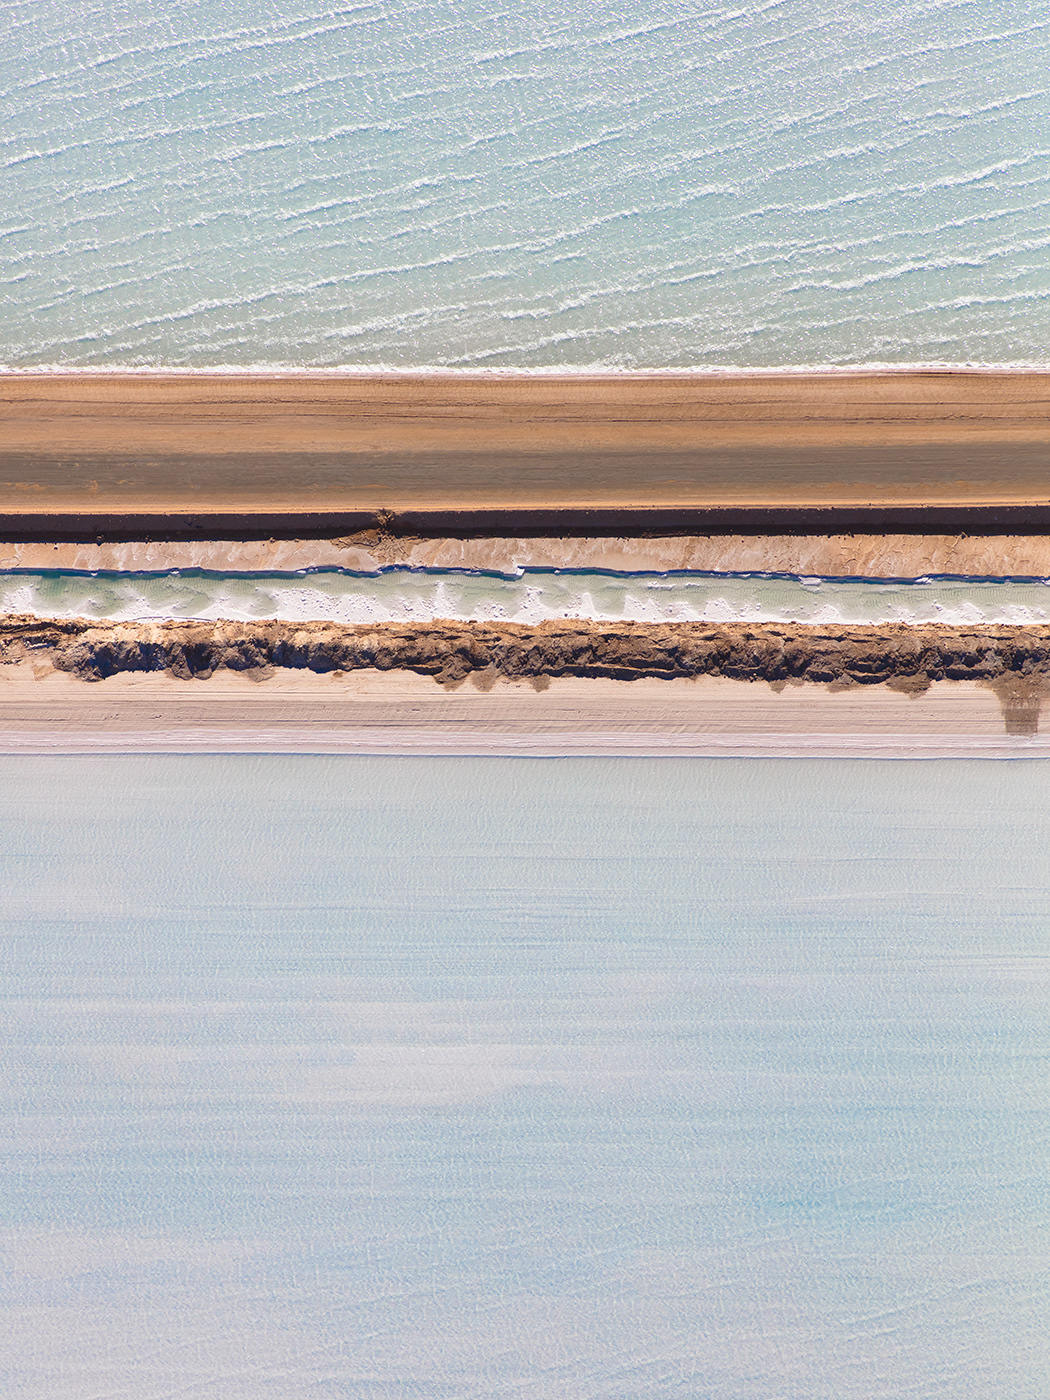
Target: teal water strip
[[536, 595]]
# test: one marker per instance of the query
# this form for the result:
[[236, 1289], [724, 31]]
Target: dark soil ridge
[[908, 658]]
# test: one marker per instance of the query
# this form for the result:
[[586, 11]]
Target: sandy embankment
[[559, 687], [103, 449], [103, 444]]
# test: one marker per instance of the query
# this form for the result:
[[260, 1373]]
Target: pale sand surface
[[836, 556], [375, 713], [121, 442]]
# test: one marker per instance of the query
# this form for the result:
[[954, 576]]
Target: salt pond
[[405, 1077]]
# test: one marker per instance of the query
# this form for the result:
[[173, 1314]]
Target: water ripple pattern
[[474, 184], [535, 595]]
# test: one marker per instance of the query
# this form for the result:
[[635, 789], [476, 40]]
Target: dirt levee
[[268, 443]]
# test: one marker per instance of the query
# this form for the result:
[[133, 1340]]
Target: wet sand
[[371, 712], [258, 444]]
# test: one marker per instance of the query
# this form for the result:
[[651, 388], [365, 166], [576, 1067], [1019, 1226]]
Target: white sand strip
[[480, 743], [392, 713]]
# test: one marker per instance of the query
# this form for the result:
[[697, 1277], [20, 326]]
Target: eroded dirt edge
[[1014, 661]]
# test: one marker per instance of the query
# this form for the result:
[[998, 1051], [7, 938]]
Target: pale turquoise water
[[528, 596], [475, 183], [485, 1078]]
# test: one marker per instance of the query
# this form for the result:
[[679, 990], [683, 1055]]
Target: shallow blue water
[[481, 184], [616, 1078]]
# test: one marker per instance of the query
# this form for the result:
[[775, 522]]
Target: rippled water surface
[[556, 1079], [483, 184]]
